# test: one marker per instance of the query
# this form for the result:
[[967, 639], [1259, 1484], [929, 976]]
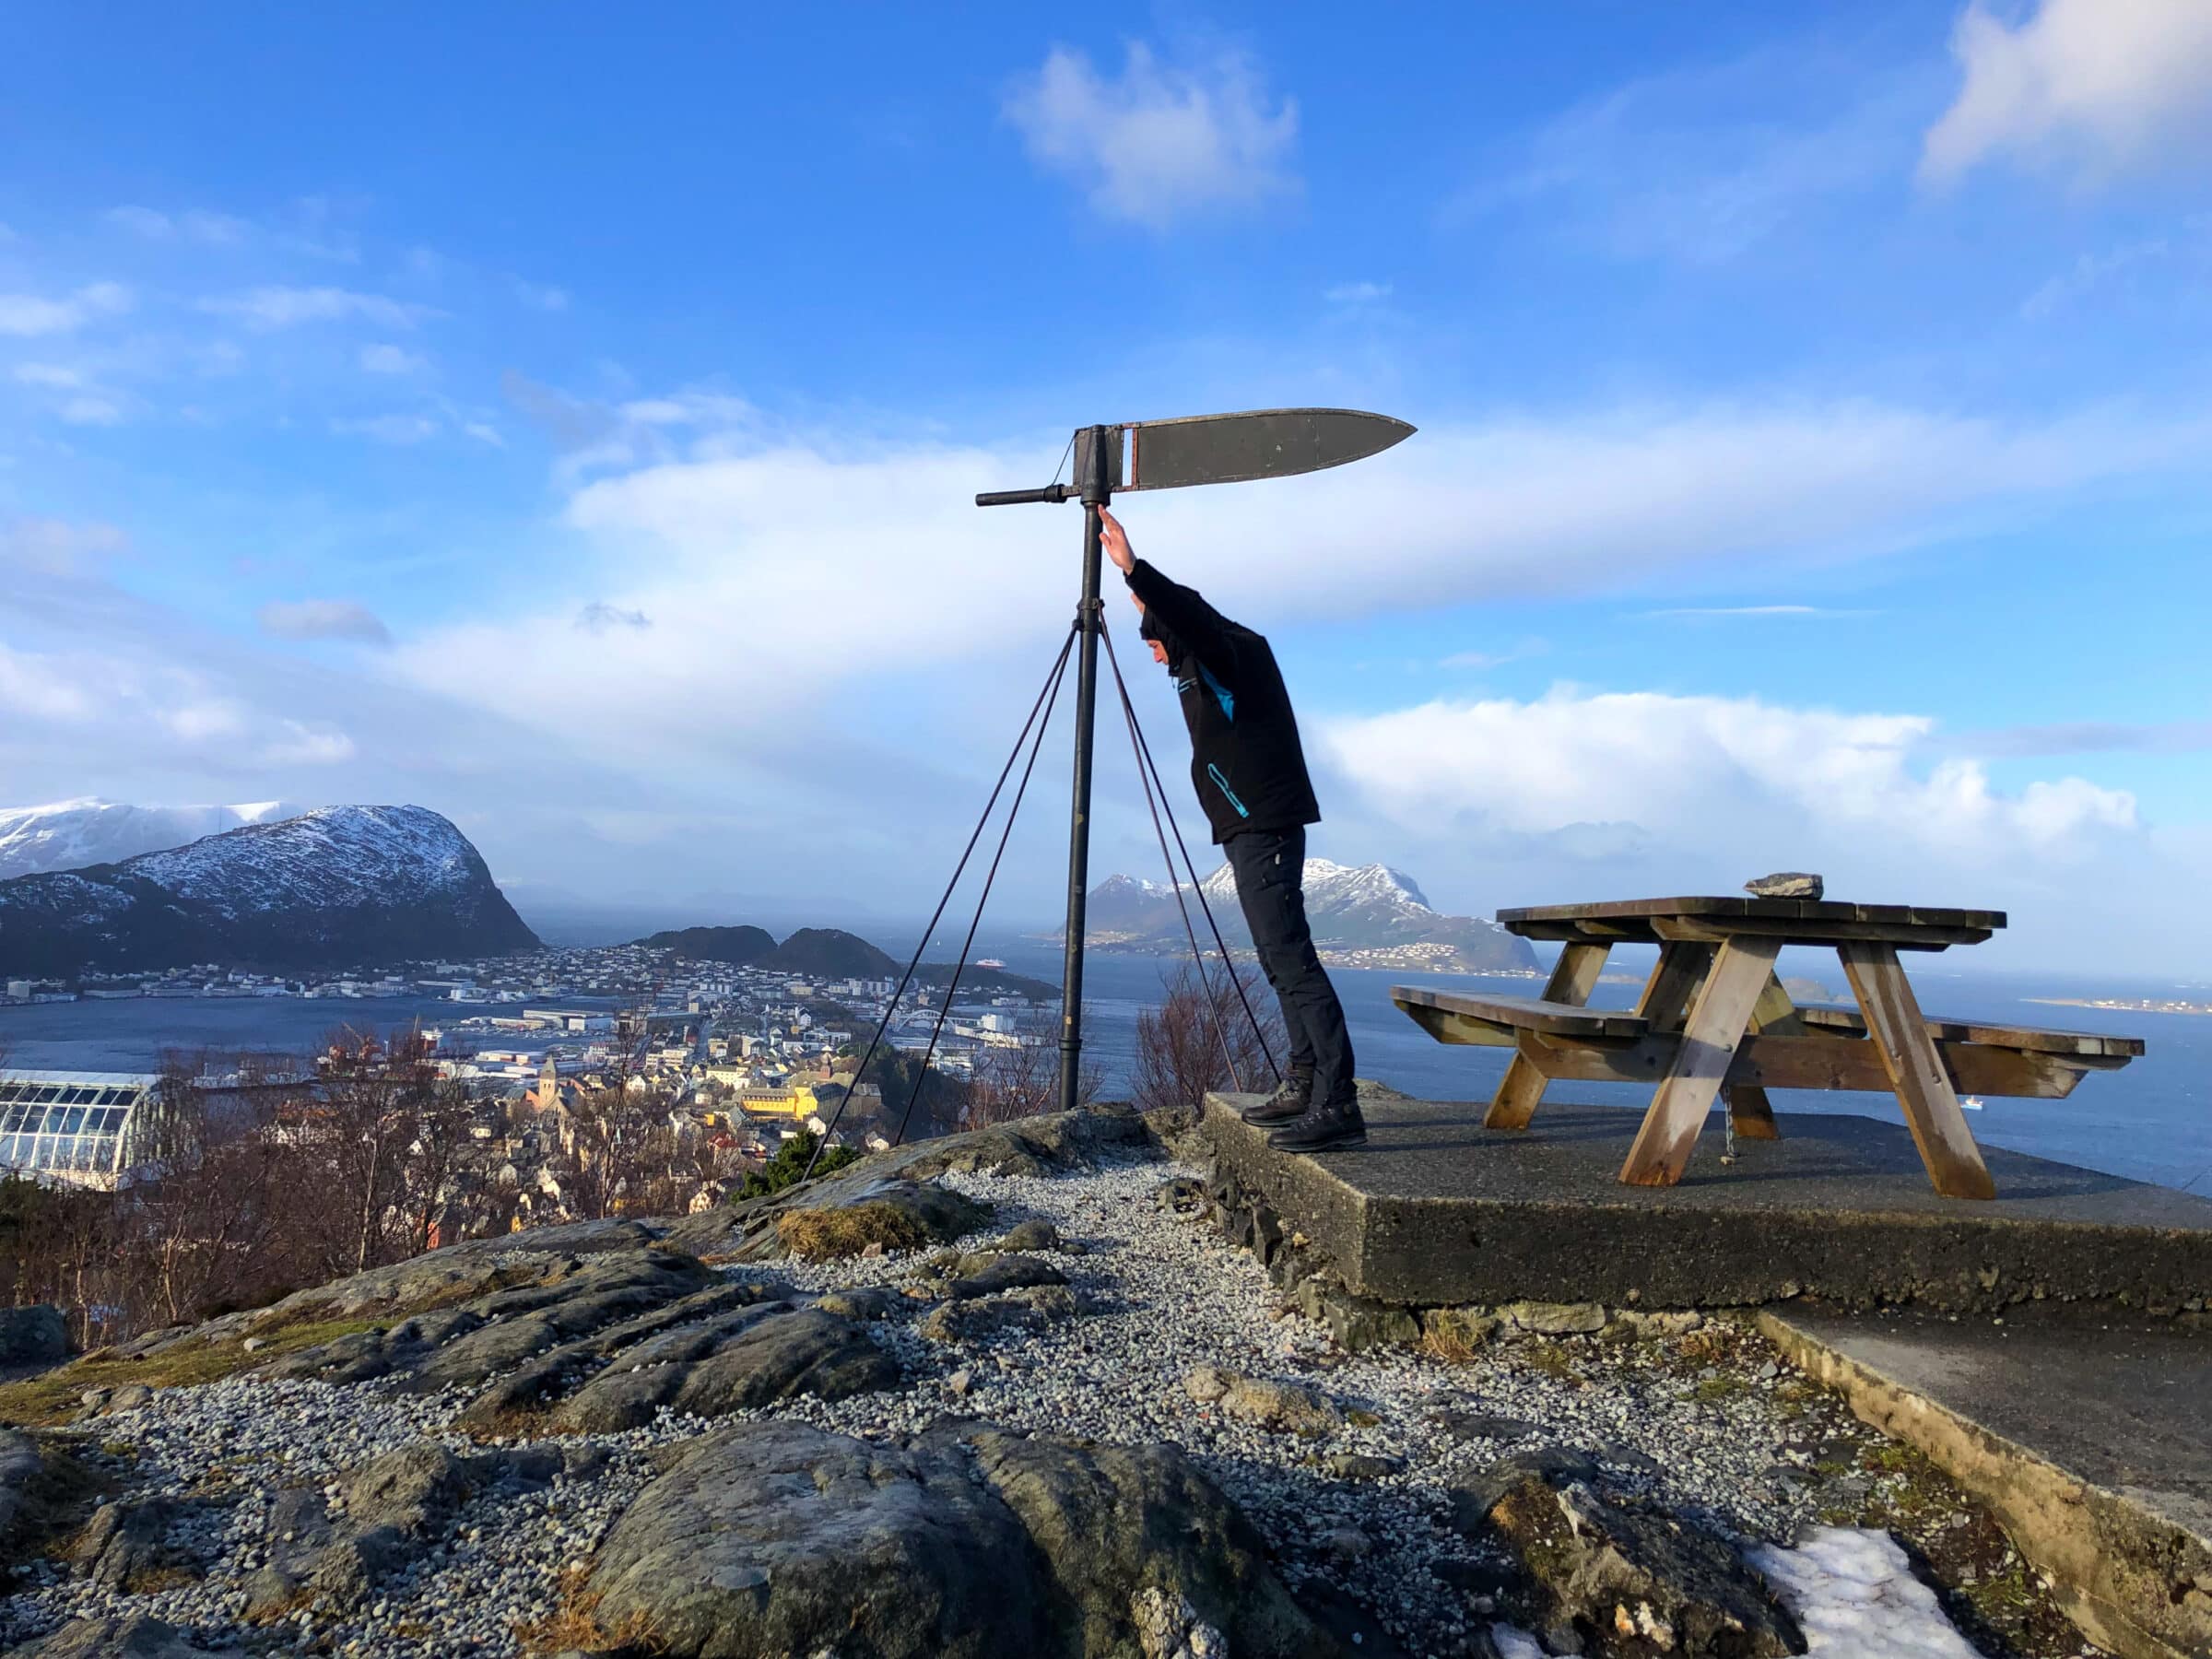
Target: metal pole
[[1093, 484]]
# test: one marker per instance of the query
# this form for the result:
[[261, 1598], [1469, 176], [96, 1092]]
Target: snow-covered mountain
[[340, 885], [1354, 910], [68, 835]]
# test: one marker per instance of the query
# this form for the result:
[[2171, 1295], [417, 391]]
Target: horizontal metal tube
[[1016, 498]]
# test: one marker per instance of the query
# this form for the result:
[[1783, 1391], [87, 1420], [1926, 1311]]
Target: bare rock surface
[[778, 1538], [134, 1636]]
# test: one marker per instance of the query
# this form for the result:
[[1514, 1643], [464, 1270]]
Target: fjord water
[[2150, 1122]]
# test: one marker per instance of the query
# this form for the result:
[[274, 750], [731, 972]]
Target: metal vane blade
[[1261, 444]]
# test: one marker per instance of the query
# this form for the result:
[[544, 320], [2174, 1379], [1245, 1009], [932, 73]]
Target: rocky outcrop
[[43, 1490], [757, 1358], [135, 1636], [32, 1336], [777, 1538]]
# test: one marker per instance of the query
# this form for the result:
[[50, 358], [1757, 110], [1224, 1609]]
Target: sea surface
[[2150, 1122]]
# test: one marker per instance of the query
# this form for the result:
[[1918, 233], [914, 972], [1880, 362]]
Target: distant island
[[2133, 1005], [831, 953]]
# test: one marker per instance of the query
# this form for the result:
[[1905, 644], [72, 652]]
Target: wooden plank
[[1898, 1032], [1716, 1026], [1750, 1113], [1832, 910], [1675, 979], [1904, 936], [1526, 1013], [1573, 977], [2037, 1039], [1816, 1062], [1447, 1026]]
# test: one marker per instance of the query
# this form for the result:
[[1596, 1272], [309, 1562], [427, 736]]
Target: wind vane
[[1166, 455]]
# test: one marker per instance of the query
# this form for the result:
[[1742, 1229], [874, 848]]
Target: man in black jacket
[[1251, 777]]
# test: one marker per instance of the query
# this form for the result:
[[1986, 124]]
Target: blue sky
[[568, 422]]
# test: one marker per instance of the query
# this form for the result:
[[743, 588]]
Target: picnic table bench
[[1714, 1017]]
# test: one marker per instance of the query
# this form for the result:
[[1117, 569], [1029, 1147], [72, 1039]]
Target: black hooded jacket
[[1245, 759]]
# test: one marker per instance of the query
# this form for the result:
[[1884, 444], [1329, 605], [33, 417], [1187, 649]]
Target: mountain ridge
[[334, 886], [73, 834], [1371, 915]]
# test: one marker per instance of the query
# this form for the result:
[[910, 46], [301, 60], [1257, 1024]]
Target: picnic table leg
[[1750, 1113], [1573, 977], [1916, 1071], [1717, 1021]]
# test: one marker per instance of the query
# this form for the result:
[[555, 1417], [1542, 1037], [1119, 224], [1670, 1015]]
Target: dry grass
[[52, 1396], [824, 1235], [575, 1623], [1440, 1342]]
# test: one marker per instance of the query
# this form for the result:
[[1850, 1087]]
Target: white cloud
[[32, 314], [91, 411], [300, 743], [1767, 785], [884, 540], [273, 308], [388, 429], [540, 296], [30, 690], [1159, 143], [57, 547], [322, 620], [212, 228], [484, 433], [2093, 87], [54, 377], [1358, 293], [598, 616], [391, 359]]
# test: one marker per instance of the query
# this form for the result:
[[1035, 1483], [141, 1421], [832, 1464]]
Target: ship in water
[[989, 962]]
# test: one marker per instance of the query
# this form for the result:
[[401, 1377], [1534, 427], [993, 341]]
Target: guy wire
[[1051, 681], [990, 875]]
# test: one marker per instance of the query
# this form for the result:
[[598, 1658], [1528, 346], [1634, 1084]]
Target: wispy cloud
[[50, 546], [1479, 660], [32, 314], [2089, 272], [2093, 87], [274, 308], [217, 228], [388, 429], [541, 296], [2095, 736], [1700, 166], [392, 360], [1358, 293], [1159, 143], [598, 616], [1755, 611], [322, 620]]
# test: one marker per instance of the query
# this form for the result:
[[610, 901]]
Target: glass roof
[[68, 1123]]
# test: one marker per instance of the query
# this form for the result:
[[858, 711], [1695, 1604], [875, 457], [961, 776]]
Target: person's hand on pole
[[1116, 540]]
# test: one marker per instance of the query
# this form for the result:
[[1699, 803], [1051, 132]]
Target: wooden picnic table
[[1714, 1017]]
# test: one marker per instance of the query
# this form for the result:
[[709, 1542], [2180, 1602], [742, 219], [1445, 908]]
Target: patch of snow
[[1853, 1591], [68, 835]]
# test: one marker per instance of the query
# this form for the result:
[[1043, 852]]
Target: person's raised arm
[[1182, 610]]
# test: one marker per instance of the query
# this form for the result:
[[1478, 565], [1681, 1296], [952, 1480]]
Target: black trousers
[[1270, 868]]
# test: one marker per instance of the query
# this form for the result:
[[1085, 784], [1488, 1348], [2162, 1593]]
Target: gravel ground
[[1162, 1294]]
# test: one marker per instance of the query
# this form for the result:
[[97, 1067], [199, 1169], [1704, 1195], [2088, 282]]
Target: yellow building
[[796, 1103]]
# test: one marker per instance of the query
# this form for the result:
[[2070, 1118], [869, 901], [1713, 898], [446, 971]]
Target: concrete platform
[[2090, 1439], [1436, 1210]]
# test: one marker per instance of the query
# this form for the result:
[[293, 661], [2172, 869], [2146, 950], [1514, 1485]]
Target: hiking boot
[[1330, 1126], [1287, 1104]]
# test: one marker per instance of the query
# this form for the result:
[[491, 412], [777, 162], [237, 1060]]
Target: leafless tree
[[1180, 1043], [1019, 1082]]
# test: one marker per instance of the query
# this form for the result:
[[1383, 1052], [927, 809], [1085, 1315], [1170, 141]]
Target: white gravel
[[1162, 1294]]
